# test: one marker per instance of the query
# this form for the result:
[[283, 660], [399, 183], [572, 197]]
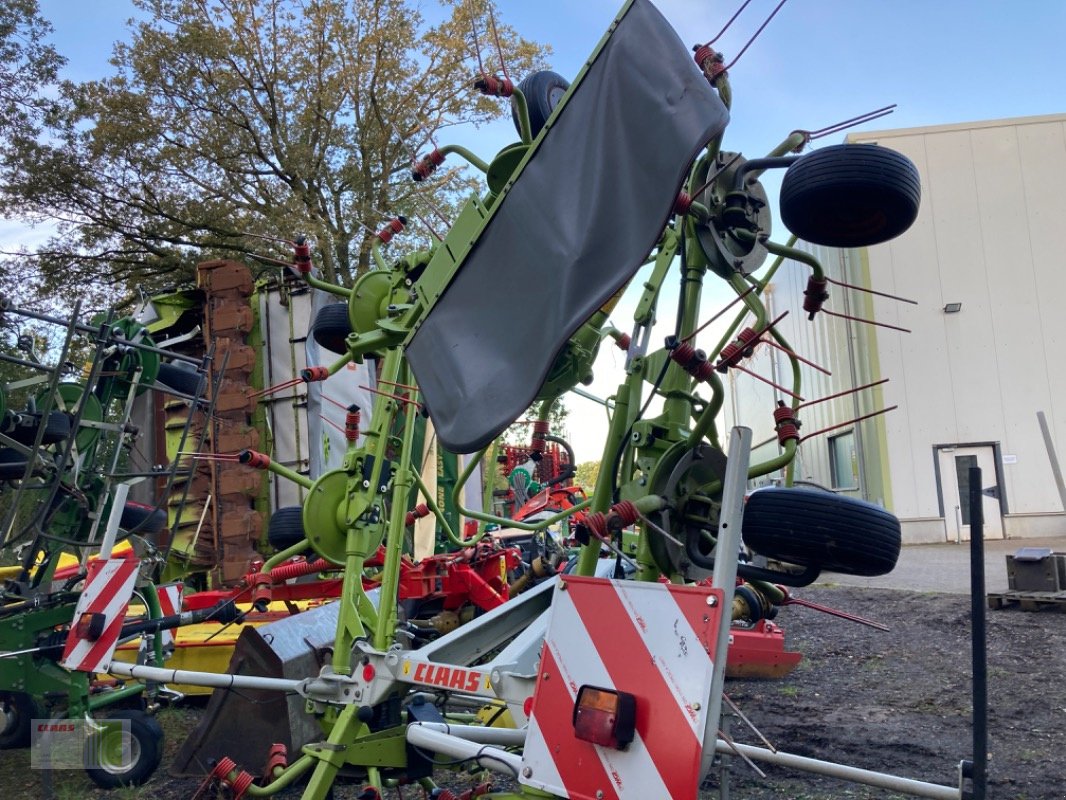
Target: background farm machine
[[609, 675]]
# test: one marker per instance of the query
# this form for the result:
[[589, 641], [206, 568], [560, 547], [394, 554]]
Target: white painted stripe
[[535, 754], [673, 644], [169, 604], [95, 588], [116, 605], [633, 769]]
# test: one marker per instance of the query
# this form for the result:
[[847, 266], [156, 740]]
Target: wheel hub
[[682, 476]]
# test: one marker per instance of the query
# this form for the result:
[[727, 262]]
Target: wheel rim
[[118, 753]]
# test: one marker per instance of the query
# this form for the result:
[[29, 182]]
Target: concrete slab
[[946, 567]]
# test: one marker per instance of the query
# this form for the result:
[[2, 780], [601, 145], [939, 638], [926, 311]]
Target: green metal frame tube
[[401, 488], [431, 503], [601, 495], [283, 780], [105, 699], [291, 475], [525, 132], [322, 285], [285, 555], [462, 152]]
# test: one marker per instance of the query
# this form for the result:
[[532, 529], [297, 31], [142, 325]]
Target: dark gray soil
[[895, 702], [900, 701]]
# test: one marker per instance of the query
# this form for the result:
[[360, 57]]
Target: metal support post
[[725, 577], [979, 650]]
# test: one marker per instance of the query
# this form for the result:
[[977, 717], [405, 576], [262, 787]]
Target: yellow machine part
[[208, 646]]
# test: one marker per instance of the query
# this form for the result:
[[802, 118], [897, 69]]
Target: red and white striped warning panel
[[646, 646], [169, 605], [99, 614]]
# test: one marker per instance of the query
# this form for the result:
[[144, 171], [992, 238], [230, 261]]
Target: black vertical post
[[980, 652]]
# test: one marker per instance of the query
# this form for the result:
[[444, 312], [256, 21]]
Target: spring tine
[[842, 394], [867, 321], [732, 19], [743, 718], [796, 601], [733, 746]]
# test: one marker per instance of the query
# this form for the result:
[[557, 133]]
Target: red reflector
[[527, 707], [369, 672], [91, 626], [605, 717]]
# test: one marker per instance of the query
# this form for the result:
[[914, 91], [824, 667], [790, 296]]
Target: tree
[[229, 120], [28, 65], [586, 474]]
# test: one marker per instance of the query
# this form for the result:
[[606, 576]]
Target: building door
[[955, 464]]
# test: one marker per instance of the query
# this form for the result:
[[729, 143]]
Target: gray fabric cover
[[577, 223]]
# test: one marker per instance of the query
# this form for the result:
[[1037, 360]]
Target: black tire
[[331, 327], [830, 531], [56, 429], [543, 90], [286, 527], [850, 195], [180, 377], [12, 464], [17, 711], [141, 519], [125, 754]]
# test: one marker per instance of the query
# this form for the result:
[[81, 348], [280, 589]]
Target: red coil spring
[[703, 54], [392, 228], [351, 423], [421, 510], [597, 522], [786, 424], [494, 86], [693, 361], [240, 784], [224, 767], [312, 374], [296, 569], [428, 165], [734, 352], [277, 756], [682, 204], [540, 430], [254, 459], [302, 257], [443, 794], [626, 511], [814, 296], [709, 61], [623, 342]]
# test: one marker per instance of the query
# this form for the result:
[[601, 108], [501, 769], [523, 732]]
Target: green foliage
[[231, 120], [521, 430], [586, 474], [28, 64]]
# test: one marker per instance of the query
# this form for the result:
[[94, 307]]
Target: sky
[[817, 62]]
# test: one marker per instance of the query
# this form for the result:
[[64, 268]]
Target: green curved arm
[[332, 288], [522, 112], [285, 555], [431, 503], [462, 152]]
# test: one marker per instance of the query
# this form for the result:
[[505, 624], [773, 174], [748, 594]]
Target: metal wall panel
[[987, 236]]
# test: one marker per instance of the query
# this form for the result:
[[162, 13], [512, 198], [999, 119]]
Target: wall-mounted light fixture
[[952, 308]]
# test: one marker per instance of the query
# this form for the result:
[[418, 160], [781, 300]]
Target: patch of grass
[[788, 691]]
